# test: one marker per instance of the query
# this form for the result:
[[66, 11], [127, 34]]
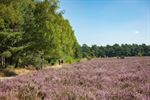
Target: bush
[[52, 60], [89, 58], [122, 57], [68, 59], [77, 60], [35, 60]]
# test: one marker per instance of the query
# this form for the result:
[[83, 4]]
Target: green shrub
[[52, 60], [68, 59], [36, 61], [89, 58]]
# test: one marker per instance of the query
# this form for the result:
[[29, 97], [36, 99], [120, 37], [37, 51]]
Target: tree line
[[115, 50], [34, 32]]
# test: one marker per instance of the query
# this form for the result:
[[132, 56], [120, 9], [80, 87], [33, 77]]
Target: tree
[[32, 32], [116, 50], [10, 32]]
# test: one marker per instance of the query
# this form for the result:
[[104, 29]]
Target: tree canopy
[[33, 32], [115, 50]]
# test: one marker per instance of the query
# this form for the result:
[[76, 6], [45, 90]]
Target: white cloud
[[137, 32]]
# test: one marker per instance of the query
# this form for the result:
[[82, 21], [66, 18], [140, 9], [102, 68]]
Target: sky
[[104, 22]]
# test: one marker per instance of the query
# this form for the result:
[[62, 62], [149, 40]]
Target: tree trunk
[[16, 65], [5, 64], [1, 62]]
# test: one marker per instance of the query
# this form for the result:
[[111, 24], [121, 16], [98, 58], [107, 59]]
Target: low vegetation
[[34, 35], [102, 78]]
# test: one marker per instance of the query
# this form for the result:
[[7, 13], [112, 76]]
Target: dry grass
[[12, 72], [21, 71]]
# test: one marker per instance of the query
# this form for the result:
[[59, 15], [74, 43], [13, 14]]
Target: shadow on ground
[[7, 73]]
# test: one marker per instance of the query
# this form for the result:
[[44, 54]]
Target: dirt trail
[[19, 72]]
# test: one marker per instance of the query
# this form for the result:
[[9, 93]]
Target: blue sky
[[105, 22]]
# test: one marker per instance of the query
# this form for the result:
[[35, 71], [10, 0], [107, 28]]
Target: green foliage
[[119, 51], [32, 32], [6, 54], [68, 59], [86, 51], [52, 60]]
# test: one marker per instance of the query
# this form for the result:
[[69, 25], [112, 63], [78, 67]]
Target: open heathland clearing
[[97, 79]]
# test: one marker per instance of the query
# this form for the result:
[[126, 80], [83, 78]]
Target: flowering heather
[[98, 79]]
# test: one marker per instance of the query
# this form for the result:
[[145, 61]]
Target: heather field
[[97, 79]]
